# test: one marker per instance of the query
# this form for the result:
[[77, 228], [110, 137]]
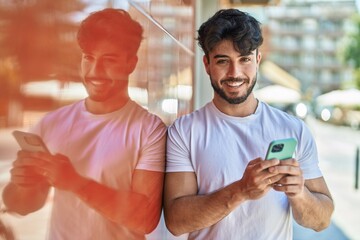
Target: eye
[[245, 59], [222, 61], [110, 59], [87, 57]]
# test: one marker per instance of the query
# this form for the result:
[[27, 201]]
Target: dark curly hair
[[111, 25], [231, 24]]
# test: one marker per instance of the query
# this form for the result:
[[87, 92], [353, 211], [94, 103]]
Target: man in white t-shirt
[[108, 160], [217, 184]]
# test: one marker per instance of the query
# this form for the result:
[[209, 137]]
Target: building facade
[[305, 37]]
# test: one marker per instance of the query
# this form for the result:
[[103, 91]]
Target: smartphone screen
[[30, 141], [281, 149]]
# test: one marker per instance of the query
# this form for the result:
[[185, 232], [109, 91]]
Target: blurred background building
[[305, 38], [300, 69], [39, 57]]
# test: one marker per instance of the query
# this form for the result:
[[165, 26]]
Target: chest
[[220, 154], [104, 151]]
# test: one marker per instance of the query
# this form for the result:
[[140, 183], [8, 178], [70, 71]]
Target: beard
[[234, 100], [109, 88]]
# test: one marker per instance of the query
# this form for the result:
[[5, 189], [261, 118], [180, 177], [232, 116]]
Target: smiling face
[[105, 70], [232, 75]]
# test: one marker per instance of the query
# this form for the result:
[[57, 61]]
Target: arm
[[311, 201], [313, 208], [138, 209], [186, 211], [24, 200]]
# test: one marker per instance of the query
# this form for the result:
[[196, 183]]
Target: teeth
[[234, 84], [97, 83]]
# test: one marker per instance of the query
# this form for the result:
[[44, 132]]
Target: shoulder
[[140, 115], [274, 118], [56, 118], [279, 116], [192, 118], [64, 111], [144, 113], [191, 123]]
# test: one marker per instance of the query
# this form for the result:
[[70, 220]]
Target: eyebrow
[[220, 56], [104, 55], [111, 55], [226, 56]]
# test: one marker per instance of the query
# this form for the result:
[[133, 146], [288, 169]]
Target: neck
[[108, 106], [244, 109]]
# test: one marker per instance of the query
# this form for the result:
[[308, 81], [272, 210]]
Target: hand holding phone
[[281, 149], [30, 142]]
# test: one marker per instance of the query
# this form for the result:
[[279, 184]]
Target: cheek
[[84, 67], [249, 70], [254, 71], [214, 70], [116, 72]]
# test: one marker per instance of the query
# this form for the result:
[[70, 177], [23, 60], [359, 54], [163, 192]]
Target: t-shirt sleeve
[[307, 155], [152, 154], [177, 151]]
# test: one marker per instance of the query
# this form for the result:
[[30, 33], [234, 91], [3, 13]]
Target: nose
[[234, 70], [96, 68]]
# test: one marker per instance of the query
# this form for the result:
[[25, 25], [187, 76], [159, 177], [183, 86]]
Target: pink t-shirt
[[107, 148]]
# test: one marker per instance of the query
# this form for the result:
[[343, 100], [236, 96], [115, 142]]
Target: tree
[[350, 50]]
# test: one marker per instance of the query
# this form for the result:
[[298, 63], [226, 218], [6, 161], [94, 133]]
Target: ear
[[206, 64], [131, 64], [258, 58]]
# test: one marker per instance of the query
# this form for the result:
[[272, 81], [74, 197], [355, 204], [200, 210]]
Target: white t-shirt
[[107, 148], [218, 147]]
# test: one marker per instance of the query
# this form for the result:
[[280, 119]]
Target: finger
[[38, 160], [24, 177], [291, 180], [24, 153], [46, 174], [29, 162], [273, 179], [290, 162], [288, 189], [23, 161], [254, 161], [21, 179], [276, 178], [288, 170], [37, 155], [266, 164], [21, 156], [24, 171]]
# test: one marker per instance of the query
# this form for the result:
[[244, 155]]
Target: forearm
[[127, 208], [24, 200], [312, 210], [192, 213]]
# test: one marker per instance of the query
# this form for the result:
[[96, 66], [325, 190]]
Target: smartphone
[[281, 149], [30, 141]]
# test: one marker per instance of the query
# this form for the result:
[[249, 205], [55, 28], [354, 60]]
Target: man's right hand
[[24, 174], [257, 180]]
